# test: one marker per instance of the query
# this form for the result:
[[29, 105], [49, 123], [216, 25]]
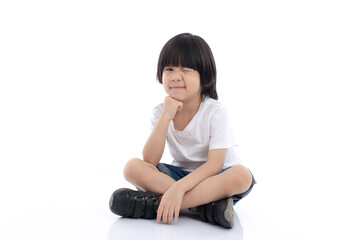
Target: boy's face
[[182, 84]]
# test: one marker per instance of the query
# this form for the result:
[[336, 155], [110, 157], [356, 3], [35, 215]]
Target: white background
[[78, 84]]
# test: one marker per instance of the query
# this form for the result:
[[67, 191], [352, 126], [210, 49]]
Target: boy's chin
[[177, 98]]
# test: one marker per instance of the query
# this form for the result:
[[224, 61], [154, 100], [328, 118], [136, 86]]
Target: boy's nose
[[176, 76]]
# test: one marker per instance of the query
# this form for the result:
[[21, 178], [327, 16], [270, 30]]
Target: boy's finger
[[165, 215], [176, 214], [159, 214], [170, 215]]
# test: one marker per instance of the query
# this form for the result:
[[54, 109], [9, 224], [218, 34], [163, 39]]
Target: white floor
[[76, 207], [83, 214]]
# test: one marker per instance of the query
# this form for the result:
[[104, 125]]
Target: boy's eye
[[187, 69]]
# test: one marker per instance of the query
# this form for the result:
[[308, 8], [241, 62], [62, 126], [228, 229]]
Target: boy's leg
[[147, 177], [140, 204], [212, 197], [233, 181]]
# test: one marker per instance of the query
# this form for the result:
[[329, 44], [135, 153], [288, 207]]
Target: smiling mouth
[[177, 87]]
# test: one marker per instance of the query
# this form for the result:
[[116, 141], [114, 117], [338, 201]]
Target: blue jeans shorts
[[177, 173]]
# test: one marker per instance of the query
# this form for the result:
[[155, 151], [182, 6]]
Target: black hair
[[190, 51]]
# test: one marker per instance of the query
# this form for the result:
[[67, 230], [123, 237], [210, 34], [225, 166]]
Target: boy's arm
[[154, 147], [212, 167], [172, 199]]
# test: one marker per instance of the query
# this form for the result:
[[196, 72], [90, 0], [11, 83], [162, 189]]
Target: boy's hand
[[170, 107], [170, 204]]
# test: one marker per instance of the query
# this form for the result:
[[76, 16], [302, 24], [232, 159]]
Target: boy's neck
[[191, 107]]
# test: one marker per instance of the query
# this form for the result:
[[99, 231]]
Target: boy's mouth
[[177, 87]]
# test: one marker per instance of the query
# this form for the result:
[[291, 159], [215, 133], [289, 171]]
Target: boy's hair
[[190, 51]]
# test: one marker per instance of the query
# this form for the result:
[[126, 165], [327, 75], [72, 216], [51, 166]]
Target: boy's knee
[[131, 168], [242, 178]]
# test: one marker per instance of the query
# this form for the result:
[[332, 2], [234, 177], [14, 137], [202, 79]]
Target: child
[[205, 175]]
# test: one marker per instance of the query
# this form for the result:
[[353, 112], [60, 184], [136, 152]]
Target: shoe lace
[[145, 198]]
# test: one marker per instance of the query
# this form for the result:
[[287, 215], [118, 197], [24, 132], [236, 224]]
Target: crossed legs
[[147, 177]]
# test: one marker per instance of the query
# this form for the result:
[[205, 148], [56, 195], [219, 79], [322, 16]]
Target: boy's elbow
[[216, 159], [150, 160], [146, 159], [215, 167], [219, 168], [145, 156]]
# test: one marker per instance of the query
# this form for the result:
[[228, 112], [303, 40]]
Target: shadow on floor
[[188, 226]]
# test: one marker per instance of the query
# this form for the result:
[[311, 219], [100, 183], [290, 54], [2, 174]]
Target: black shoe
[[219, 212], [134, 204]]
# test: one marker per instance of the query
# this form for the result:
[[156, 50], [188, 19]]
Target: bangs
[[180, 54]]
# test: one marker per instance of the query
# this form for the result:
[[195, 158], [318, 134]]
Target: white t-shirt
[[209, 129]]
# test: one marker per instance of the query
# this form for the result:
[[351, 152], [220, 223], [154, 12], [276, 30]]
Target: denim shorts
[[177, 173]]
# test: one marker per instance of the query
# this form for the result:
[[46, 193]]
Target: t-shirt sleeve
[[221, 133], [156, 113]]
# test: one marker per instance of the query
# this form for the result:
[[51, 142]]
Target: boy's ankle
[[194, 209]]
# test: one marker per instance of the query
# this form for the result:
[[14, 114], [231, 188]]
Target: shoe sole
[[229, 212], [111, 201]]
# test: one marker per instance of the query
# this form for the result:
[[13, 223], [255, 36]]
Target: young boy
[[205, 175]]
